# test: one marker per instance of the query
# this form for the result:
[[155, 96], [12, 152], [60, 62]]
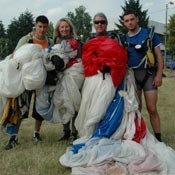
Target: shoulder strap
[[49, 41], [30, 39], [151, 35], [79, 53], [115, 36]]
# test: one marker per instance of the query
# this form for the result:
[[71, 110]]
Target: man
[[37, 37], [148, 79], [104, 70]]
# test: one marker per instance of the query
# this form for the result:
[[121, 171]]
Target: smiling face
[[100, 24], [41, 30], [131, 22], [64, 29]]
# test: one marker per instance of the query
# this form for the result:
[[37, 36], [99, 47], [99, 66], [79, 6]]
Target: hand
[[157, 81]]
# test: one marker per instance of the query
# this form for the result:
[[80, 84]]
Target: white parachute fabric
[[74, 79], [149, 157], [64, 51], [96, 96], [11, 84], [34, 74], [16, 76], [67, 95], [26, 53]]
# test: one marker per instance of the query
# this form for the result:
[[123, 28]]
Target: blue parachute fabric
[[11, 129], [111, 121], [112, 118], [75, 148]]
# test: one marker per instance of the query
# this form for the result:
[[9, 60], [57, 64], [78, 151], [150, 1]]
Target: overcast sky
[[56, 9]]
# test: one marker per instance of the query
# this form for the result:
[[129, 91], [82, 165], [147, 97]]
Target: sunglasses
[[100, 22]]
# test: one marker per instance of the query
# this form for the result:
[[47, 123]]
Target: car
[[170, 65]]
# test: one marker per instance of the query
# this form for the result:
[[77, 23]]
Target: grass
[[42, 159]]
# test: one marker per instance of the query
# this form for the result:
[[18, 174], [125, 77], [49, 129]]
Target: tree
[[3, 47], [2, 30], [50, 31], [171, 35], [3, 41], [18, 28], [142, 15], [82, 22]]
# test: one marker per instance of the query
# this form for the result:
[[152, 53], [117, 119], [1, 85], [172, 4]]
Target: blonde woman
[[65, 31]]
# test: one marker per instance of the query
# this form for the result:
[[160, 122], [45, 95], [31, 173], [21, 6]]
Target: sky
[[56, 9]]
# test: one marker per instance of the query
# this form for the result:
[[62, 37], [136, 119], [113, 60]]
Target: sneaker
[[74, 136], [12, 142], [36, 137]]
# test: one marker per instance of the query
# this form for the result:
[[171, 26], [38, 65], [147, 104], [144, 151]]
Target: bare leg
[[151, 104], [38, 124], [36, 136]]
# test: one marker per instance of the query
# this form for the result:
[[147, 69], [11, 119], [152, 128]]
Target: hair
[[101, 15], [56, 33], [43, 19], [130, 11]]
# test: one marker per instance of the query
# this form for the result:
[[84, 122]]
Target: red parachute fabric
[[140, 129], [73, 43], [102, 51]]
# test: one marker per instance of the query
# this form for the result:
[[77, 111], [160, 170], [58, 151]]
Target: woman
[[65, 31]]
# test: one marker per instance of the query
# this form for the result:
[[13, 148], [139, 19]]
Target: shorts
[[144, 79], [36, 115]]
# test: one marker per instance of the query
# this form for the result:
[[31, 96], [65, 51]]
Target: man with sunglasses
[[100, 24], [104, 70]]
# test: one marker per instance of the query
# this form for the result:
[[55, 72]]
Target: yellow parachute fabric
[[10, 105]]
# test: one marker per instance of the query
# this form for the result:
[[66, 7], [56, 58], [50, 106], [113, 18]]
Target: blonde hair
[[56, 34]]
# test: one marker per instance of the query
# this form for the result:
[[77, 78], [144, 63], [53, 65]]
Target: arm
[[21, 42], [158, 78]]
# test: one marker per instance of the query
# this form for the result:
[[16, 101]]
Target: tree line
[[83, 23]]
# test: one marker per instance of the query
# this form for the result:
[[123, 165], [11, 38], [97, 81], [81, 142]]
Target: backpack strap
[[151, 35], [149, 53], [30, 38], [79, 51]]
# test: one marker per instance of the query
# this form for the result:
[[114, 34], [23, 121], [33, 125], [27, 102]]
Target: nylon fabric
[[104, 51], [144, 155], [97, 94]]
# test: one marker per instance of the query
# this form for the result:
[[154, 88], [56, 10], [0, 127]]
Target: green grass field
[[42, 159]]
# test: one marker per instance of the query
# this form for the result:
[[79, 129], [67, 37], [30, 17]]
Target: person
[[37, 37], [65, 31], [104, 70], [148, 79]]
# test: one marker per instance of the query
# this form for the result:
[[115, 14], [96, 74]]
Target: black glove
[[58, 62], [106, 69], [51, 78]]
